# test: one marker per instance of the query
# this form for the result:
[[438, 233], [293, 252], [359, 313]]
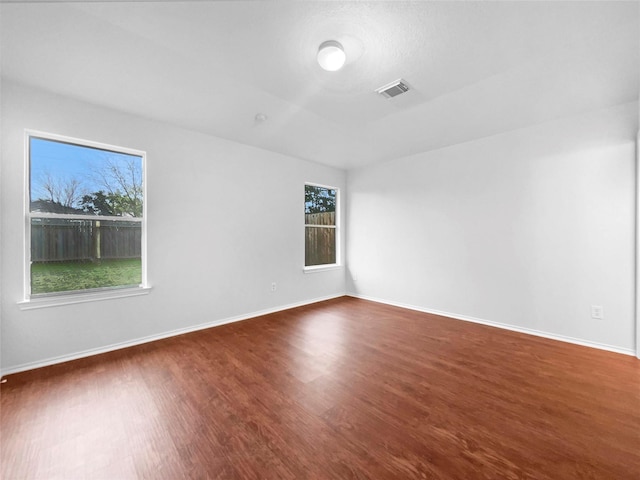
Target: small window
[[86, 216], [321, 226]]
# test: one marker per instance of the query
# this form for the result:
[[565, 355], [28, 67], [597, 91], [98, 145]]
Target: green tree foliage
[[319, 199], [116, 204], [97, 203]]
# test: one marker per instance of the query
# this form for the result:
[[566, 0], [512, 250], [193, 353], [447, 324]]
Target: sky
[[63, 162]]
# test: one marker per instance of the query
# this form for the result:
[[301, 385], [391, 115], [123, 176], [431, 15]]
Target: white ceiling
[[476, 68]]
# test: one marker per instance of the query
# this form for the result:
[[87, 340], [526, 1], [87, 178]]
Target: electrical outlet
[[597, 312], [274, 286]]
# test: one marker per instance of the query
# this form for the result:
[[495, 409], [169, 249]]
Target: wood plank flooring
[[336, 390]]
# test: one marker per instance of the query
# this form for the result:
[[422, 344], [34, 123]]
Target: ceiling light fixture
[[331, 56]]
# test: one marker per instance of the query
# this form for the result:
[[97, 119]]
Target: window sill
[[322, 268], [70, 299]]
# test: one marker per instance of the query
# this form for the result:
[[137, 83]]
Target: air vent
[[393, 89]]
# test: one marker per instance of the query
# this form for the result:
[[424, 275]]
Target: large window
[[321, 225], [85, 211]]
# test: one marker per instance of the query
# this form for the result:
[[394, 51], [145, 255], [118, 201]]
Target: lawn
[[68, 276]]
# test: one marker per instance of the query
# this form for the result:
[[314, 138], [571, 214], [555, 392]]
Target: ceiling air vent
[[393, 89]]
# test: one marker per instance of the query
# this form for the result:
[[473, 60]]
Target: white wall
[[526, 229], [224, 221]]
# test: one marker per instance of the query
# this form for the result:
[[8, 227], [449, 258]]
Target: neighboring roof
[[48, 206]]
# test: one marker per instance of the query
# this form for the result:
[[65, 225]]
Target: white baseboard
[[529, 331], [151, 338]]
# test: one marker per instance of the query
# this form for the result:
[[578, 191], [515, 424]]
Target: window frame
[[338, 262], [78, 296]]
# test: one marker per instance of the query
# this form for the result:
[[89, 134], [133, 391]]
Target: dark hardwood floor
[[336, 390]]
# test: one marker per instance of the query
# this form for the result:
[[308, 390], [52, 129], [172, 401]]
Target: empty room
[[319, 240]]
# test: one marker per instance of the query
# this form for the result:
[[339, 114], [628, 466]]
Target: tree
[[114, 204], [122, 194], [64, 192], [97, 203], [319, 199], [113, 187]]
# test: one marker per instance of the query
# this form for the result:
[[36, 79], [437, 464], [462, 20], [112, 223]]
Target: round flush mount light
[[331, 56]]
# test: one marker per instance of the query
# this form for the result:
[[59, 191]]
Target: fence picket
[[78, 241], [320, 239]]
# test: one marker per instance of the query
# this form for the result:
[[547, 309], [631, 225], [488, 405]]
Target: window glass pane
[[320, 205], [322, 218], [74, 192], [69, 255], [75, 179], [319, 199], [320, 246]]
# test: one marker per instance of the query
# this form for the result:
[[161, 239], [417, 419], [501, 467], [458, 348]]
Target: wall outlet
[[273, 286], [597, 312]]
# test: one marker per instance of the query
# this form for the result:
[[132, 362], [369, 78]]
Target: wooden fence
[[320, 241], [59, 240]]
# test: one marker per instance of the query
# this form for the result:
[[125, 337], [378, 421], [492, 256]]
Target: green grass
[[69, 276]]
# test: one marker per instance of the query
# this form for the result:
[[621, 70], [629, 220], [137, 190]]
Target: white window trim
[[338, 264], [60, 299], [78, 296], [322, 268]]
